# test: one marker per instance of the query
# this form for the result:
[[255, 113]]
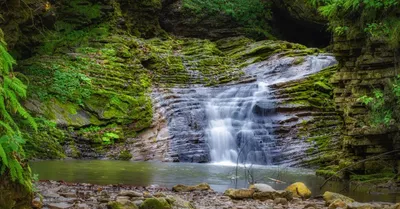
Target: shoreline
[[65, 195]]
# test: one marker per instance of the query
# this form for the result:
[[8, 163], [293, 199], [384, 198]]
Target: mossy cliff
[[92, 66], [313, 122], [364, 65]]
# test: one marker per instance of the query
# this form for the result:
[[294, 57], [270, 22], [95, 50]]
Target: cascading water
[[234, 129], [240, 117], [235, 122]]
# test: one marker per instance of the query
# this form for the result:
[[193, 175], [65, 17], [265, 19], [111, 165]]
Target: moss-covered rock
[[239, 193], [155, 203], [299, 189], [330, 197], [118, 205], [185, 188]]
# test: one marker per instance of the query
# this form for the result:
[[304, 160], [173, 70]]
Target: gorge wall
[[365, 65], [129, 77]]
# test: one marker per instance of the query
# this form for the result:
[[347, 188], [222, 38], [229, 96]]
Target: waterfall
[[240, 117], [234, 128], [235, 122]]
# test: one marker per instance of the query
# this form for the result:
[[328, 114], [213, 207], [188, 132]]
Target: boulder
[[299, 189], [130, 193], [155, 203], [330, 197], [262, 188], [239, 193], [185, 188], [273, 195]]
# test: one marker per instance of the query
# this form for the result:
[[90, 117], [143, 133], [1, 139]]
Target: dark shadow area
[[311, 34]]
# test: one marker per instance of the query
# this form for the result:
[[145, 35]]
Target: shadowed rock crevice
[[298, 22]]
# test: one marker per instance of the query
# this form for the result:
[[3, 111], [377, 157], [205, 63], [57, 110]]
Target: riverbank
[[62, 195]]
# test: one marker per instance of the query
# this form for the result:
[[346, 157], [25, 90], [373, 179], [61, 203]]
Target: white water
[[239, 117], [232, 122]]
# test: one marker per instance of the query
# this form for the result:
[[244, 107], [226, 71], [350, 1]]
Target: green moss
[[329, 173], [299, 60], [315, 91], [124, 155], [373, 178], [155, 203], [323, 87]]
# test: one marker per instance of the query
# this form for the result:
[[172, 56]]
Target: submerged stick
[[276, 180]]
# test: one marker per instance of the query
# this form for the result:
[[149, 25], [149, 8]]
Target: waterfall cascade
[[234, 129], [234, 122]]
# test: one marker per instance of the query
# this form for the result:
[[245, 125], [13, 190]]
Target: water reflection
[[169, 174]]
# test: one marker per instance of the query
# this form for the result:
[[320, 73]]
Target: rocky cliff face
[[117, 78], [364, 65], [129, 77]]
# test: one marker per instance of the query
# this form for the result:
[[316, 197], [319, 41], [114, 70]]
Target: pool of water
[[220, 177]]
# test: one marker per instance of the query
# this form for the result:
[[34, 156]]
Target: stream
[[218, 176]]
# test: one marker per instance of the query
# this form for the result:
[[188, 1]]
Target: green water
[[169, 174]]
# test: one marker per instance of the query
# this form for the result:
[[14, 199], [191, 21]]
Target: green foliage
[[253, 14], [102, 135], [378, 19], [11, 90], [65, 36], [83, 8], [384, 105], [61, 79], [109, 137], [71, 85]]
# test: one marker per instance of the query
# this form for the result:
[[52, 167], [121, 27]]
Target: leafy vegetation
[[253, 14], [384, 104], [378, 19], [11, 90]]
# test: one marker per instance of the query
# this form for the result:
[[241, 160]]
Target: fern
[[11, 91]]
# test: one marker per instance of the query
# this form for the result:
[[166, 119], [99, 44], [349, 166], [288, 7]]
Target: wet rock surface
[[123, 196], [109, 196]]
